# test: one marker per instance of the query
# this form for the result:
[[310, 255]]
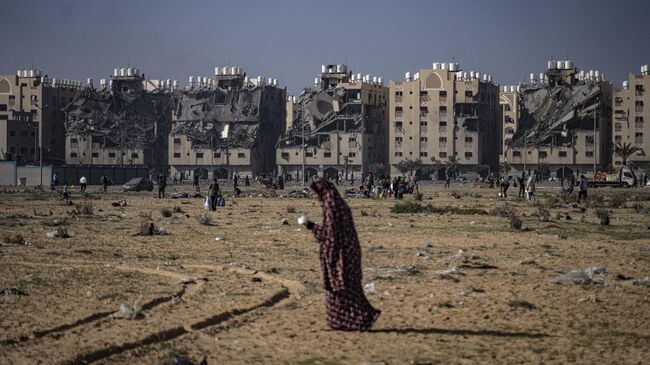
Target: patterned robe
[[340, 258]]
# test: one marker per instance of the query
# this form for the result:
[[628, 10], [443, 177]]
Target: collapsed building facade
[[630, 116], [340, 124], [564, 123], [226, 125], [444, 114], [119, 123]]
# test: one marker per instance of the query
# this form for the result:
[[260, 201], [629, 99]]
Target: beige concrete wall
[[631, 122]]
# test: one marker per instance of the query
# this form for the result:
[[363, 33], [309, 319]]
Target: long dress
[[340, 259]]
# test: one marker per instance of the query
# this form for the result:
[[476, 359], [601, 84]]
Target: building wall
[[339, 151], [28, 108], [631, 118], [423, 114], [510, 117]]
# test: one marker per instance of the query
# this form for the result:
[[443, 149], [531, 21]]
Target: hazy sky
[[289, 40]]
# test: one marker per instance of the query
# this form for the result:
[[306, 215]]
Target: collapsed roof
[[547, 111], [131, 119], [219, 118], [322, 112]]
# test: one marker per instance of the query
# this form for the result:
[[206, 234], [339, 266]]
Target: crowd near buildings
[[563, 120]]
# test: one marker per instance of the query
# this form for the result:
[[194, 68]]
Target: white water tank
[[316, 81], [626, 85], [217, 71], [19, 73], [477, 75], [407, 76], [205, 80], [436, 65], [552, 65], [568, 65], [89, 82], [123, 72], [597, 74], [323, 69], [380, 80], [191, 80], [452, 67], [443, 66], [32, 73], [359, 77]]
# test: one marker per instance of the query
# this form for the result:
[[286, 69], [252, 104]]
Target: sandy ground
[[255, 294]]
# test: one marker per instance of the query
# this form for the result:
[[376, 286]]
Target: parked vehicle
[[138, 184], [623, 178]]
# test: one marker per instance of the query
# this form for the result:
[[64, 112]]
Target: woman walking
[[340, 258]]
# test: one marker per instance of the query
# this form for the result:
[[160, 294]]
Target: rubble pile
[[547, 111], [219, 118], [131, 119]]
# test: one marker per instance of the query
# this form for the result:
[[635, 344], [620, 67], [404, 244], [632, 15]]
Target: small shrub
[[617, 201], [543, 214], [205, 220], [603, 215], [415, 207], [166, 212], [16, 239], [503, 211], [291, 209], [515, 222], [145, 215], [85, 209], [456, 195], [177, 209]]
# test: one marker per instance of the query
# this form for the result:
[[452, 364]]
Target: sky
[[289, 40]]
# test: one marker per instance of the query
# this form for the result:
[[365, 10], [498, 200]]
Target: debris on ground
[[450, 274], [180, 195], [119, 203], [205, 220], [369, 288], [166, 212], [445, 304], [521, 304], [130, 312], [284, 222], [183, 360], [642, 281], [591, 298], [191, 280], [59, 232], [389, 272], [426, 244], [150, 229], [580, 276], [603, 215], [12, 291], [13, 240]]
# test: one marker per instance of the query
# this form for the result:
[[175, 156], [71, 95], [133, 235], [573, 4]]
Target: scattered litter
[[205, 220], [284, 221], [622, 277], [11, 291], [369, 288], [591, 298], [119, 203], [128, 312], [521, 304], [389, 272], [13, 240], [218, 238], [450, 274], [255, 279], [180, 195], [60, 232], [574, 277], [445, 304], [595, 270], [150, 229], [642, 281], [528, 261], [426, 244]]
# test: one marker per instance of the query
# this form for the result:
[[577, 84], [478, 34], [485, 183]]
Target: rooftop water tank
[[316, 80], [568, 65], [436, 65], [323, 69], [477, 75], [89, 81], [407, 76], [443, 66], [552, 65], [123, 72], [626, 85], [191, 80], [359, 77], [380, 80]]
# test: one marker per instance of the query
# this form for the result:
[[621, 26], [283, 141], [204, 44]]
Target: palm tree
[[625, 150]]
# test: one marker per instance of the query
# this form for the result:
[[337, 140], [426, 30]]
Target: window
[[95, 155], [398, 139], [468, 155], [327, 154], [424, 93], [352, 139], [543, 154], [589, 153], [217, 155], [506, 107], [398, 93], [285, 155], [443, 93], [352, 154], [111, 154], [310, 154], [442, 139], [398, 124], [398, 109], [442, 154], [423, 123], [423, 139], [562, 153], [469, 93], [73, 154], [12, 133], [424, 109], [398, 154], [469, 139], [199, 155], [23, 133], [423, 154], [516, 153], [241, 155], [177, 141], [4, 117], [638, 137], [443, 124], [135, 155], [589, 139], [177, 155], [3, 107], [618, 138]]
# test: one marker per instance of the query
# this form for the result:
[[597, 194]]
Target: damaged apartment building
[[120, 123], [631, 118], [31, 120], [340, 125], [226, 125], [563, 124], [444, 114]]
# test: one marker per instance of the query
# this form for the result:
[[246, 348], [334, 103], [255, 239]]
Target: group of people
[[527, 187], [387, 188], [83, 185]]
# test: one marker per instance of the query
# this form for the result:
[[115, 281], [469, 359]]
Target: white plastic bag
[[207, 205]]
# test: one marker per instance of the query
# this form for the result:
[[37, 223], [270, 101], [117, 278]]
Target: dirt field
[[247, 288]]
